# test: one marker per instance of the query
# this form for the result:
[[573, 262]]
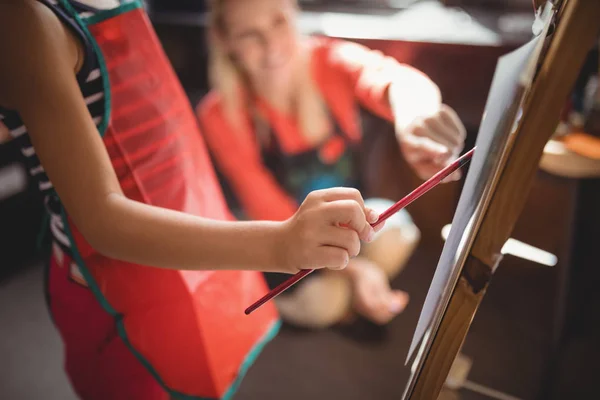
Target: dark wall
[[20, 220]]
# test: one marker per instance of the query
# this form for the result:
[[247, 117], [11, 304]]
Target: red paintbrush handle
[[405, 201], [425, 187], [278, 290]]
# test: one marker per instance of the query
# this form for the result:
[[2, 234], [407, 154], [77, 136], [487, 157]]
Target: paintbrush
[[412, 196]]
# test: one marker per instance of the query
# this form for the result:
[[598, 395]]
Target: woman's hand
[[326, 231], [431, 143], [372, 295]]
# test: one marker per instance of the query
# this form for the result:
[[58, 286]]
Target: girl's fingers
[[349, 213], [331, 257], [344, 238], [372, 215], [342, 193]]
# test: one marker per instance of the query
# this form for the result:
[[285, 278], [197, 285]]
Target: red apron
[[187, 328]]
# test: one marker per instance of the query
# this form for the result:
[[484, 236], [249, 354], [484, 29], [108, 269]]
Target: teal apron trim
[[251, 358], [113, 12], [84, 271], [93, 285], [43, 232], [102, 63]]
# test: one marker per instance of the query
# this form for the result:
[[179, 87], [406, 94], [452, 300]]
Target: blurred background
[[535, 336]]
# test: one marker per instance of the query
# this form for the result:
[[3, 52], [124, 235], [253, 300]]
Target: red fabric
[[189, 326], [92, 347], [346, 74]]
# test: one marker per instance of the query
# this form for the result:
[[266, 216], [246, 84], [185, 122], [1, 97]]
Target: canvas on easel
[[529, 88]]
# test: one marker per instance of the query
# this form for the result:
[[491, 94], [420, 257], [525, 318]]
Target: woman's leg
[[395, 243], [318, 301]]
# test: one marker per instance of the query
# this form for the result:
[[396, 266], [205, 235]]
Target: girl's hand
[[431, 143], [326, 230]]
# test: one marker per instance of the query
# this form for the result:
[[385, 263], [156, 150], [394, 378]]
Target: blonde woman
[[284, 119]]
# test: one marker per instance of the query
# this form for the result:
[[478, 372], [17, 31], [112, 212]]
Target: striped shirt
[[91, 85]]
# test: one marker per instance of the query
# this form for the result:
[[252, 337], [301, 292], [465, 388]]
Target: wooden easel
[[576, 27]]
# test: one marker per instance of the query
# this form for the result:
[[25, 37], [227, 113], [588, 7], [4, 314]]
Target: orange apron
[[187, 328]]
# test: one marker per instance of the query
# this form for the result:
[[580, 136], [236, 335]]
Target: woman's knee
[[319, 302], [395, 243]]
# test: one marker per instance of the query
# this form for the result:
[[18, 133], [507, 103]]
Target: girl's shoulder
[[29, 27]]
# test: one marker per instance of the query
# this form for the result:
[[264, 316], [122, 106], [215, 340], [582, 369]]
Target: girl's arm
[[37, 78]]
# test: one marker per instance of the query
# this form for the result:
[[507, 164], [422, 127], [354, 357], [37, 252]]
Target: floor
[[507, 343], [30, 348]]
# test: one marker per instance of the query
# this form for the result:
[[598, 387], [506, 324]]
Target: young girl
[[138, 222], [285, 118]]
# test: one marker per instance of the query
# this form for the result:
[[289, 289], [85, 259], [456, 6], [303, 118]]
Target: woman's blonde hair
[[236, 90]]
